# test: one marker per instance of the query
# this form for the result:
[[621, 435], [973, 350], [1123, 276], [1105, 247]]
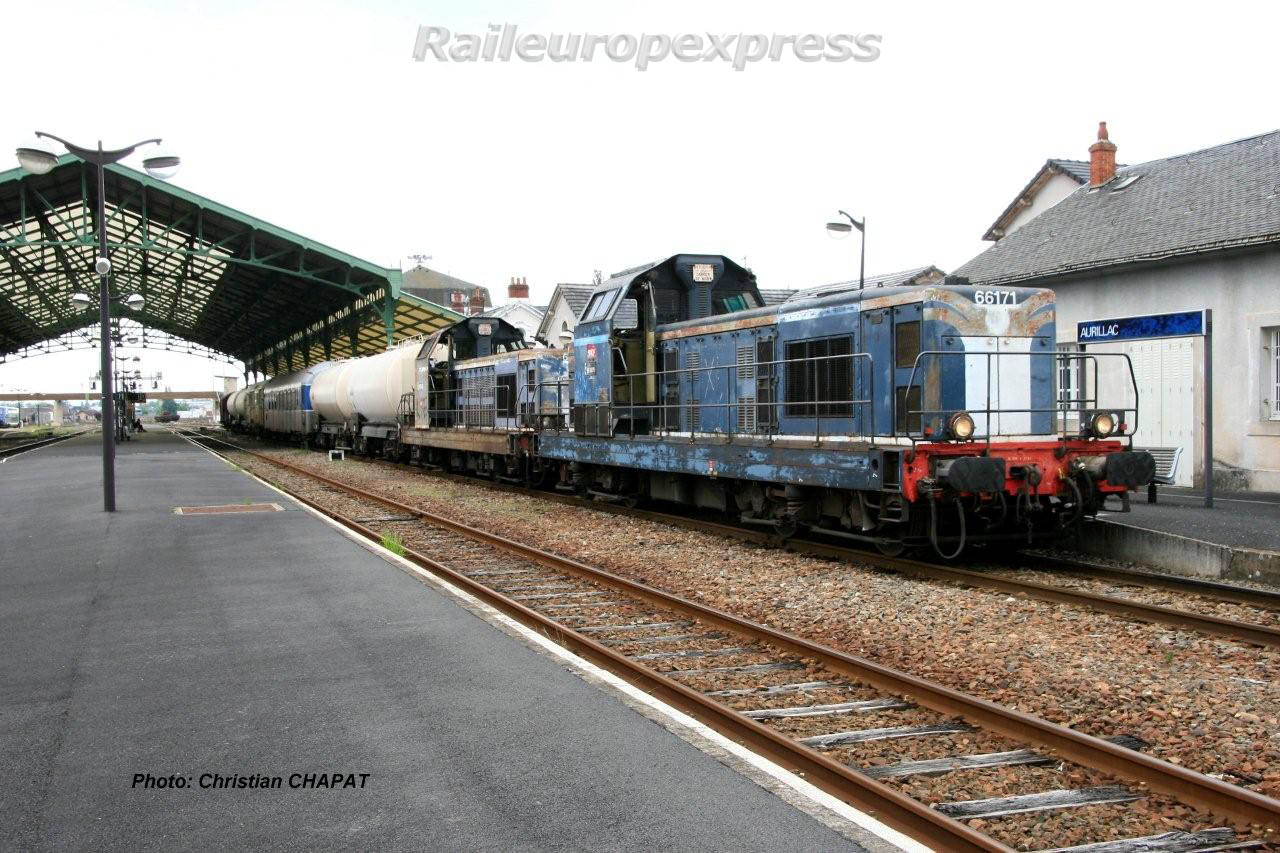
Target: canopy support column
[[389, 317]]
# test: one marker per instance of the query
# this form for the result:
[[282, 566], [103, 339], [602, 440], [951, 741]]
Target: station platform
[[1237, 539], [151, 643], [1237, 519]]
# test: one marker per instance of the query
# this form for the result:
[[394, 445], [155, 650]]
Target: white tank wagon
[[378, 384], [241, 411], [361, 400], [235, 406], [330, 398]]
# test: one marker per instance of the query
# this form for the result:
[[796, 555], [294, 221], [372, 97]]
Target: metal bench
[[1167, 459]]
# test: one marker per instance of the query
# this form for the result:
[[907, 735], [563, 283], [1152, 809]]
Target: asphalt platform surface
[[267, 643], [1237, 519]]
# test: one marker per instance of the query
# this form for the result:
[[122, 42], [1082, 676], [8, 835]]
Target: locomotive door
[[875, 376], [892, 337], [908, 393]]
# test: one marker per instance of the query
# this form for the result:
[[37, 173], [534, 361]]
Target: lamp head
[[102, 266], [37, 157], [162, 165]]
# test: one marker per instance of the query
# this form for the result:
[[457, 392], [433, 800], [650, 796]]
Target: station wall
[[1243, 290]]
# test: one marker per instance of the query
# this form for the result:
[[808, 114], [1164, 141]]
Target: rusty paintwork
[[474, 440], [955, 307], [720, 324]]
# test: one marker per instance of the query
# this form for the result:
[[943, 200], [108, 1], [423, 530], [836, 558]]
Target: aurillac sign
[[1175, 325]]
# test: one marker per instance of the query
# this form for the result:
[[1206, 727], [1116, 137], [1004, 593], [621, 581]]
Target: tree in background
[[169, 407]]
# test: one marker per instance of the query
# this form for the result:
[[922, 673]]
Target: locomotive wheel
[[891, 549]]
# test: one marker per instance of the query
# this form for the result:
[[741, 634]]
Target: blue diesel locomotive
[[909, 416]]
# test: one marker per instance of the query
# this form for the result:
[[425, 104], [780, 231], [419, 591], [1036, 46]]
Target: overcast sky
[[315, 117]]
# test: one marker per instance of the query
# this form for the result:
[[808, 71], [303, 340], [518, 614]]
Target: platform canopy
[[222, 280]]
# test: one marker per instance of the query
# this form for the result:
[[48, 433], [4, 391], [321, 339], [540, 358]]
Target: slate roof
[[1078, 170], [436, 286], [775, 296], [917, 275], [575, 296], [511, 306], [1218, 198]]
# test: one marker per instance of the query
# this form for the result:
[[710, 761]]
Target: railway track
[[809, 708], [1048, 587], [6, 452]]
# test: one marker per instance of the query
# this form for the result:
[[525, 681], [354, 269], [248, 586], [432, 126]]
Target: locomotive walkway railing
[[755, 414], [809, 400], [1063, 408]]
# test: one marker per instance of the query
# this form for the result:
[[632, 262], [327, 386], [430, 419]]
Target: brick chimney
[[458, 301], [1102, 158], [477, 303], [518, 288]]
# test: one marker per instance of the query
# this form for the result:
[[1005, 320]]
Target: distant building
[[915, 277], [1056, 180], [1184, 233], [567, 302], [775, 296], [518, 311], [442, 289]]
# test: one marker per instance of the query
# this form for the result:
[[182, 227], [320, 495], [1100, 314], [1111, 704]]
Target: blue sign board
[[1133, 328]]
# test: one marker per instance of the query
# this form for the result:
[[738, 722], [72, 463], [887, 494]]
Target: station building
[[1195, 231]]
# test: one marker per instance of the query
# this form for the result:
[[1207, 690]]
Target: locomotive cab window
[[599, 305], [727, 303], [628, 316]]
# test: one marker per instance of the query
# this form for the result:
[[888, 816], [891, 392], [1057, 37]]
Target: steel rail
[[1197, 586], [1264, 598], [6, 452], [1185, 785], [1261, 635], [886, 804], [1249, 632]]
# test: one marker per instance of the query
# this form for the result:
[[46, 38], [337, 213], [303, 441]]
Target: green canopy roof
[[211, 275]]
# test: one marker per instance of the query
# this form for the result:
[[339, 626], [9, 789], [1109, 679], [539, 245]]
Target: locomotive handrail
[[691, 374], [1061, 409]]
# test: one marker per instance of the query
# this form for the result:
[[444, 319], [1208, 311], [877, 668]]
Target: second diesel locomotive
[[902, 417]]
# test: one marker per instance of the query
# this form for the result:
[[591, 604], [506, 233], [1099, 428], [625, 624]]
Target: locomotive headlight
[[1102, 424], [961, 426]]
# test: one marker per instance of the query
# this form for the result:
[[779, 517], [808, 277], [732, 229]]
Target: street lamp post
[[841, 228], [38, 159]]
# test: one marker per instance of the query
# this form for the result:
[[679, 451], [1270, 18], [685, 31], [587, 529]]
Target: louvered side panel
[[692, 380], [746, 400]]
